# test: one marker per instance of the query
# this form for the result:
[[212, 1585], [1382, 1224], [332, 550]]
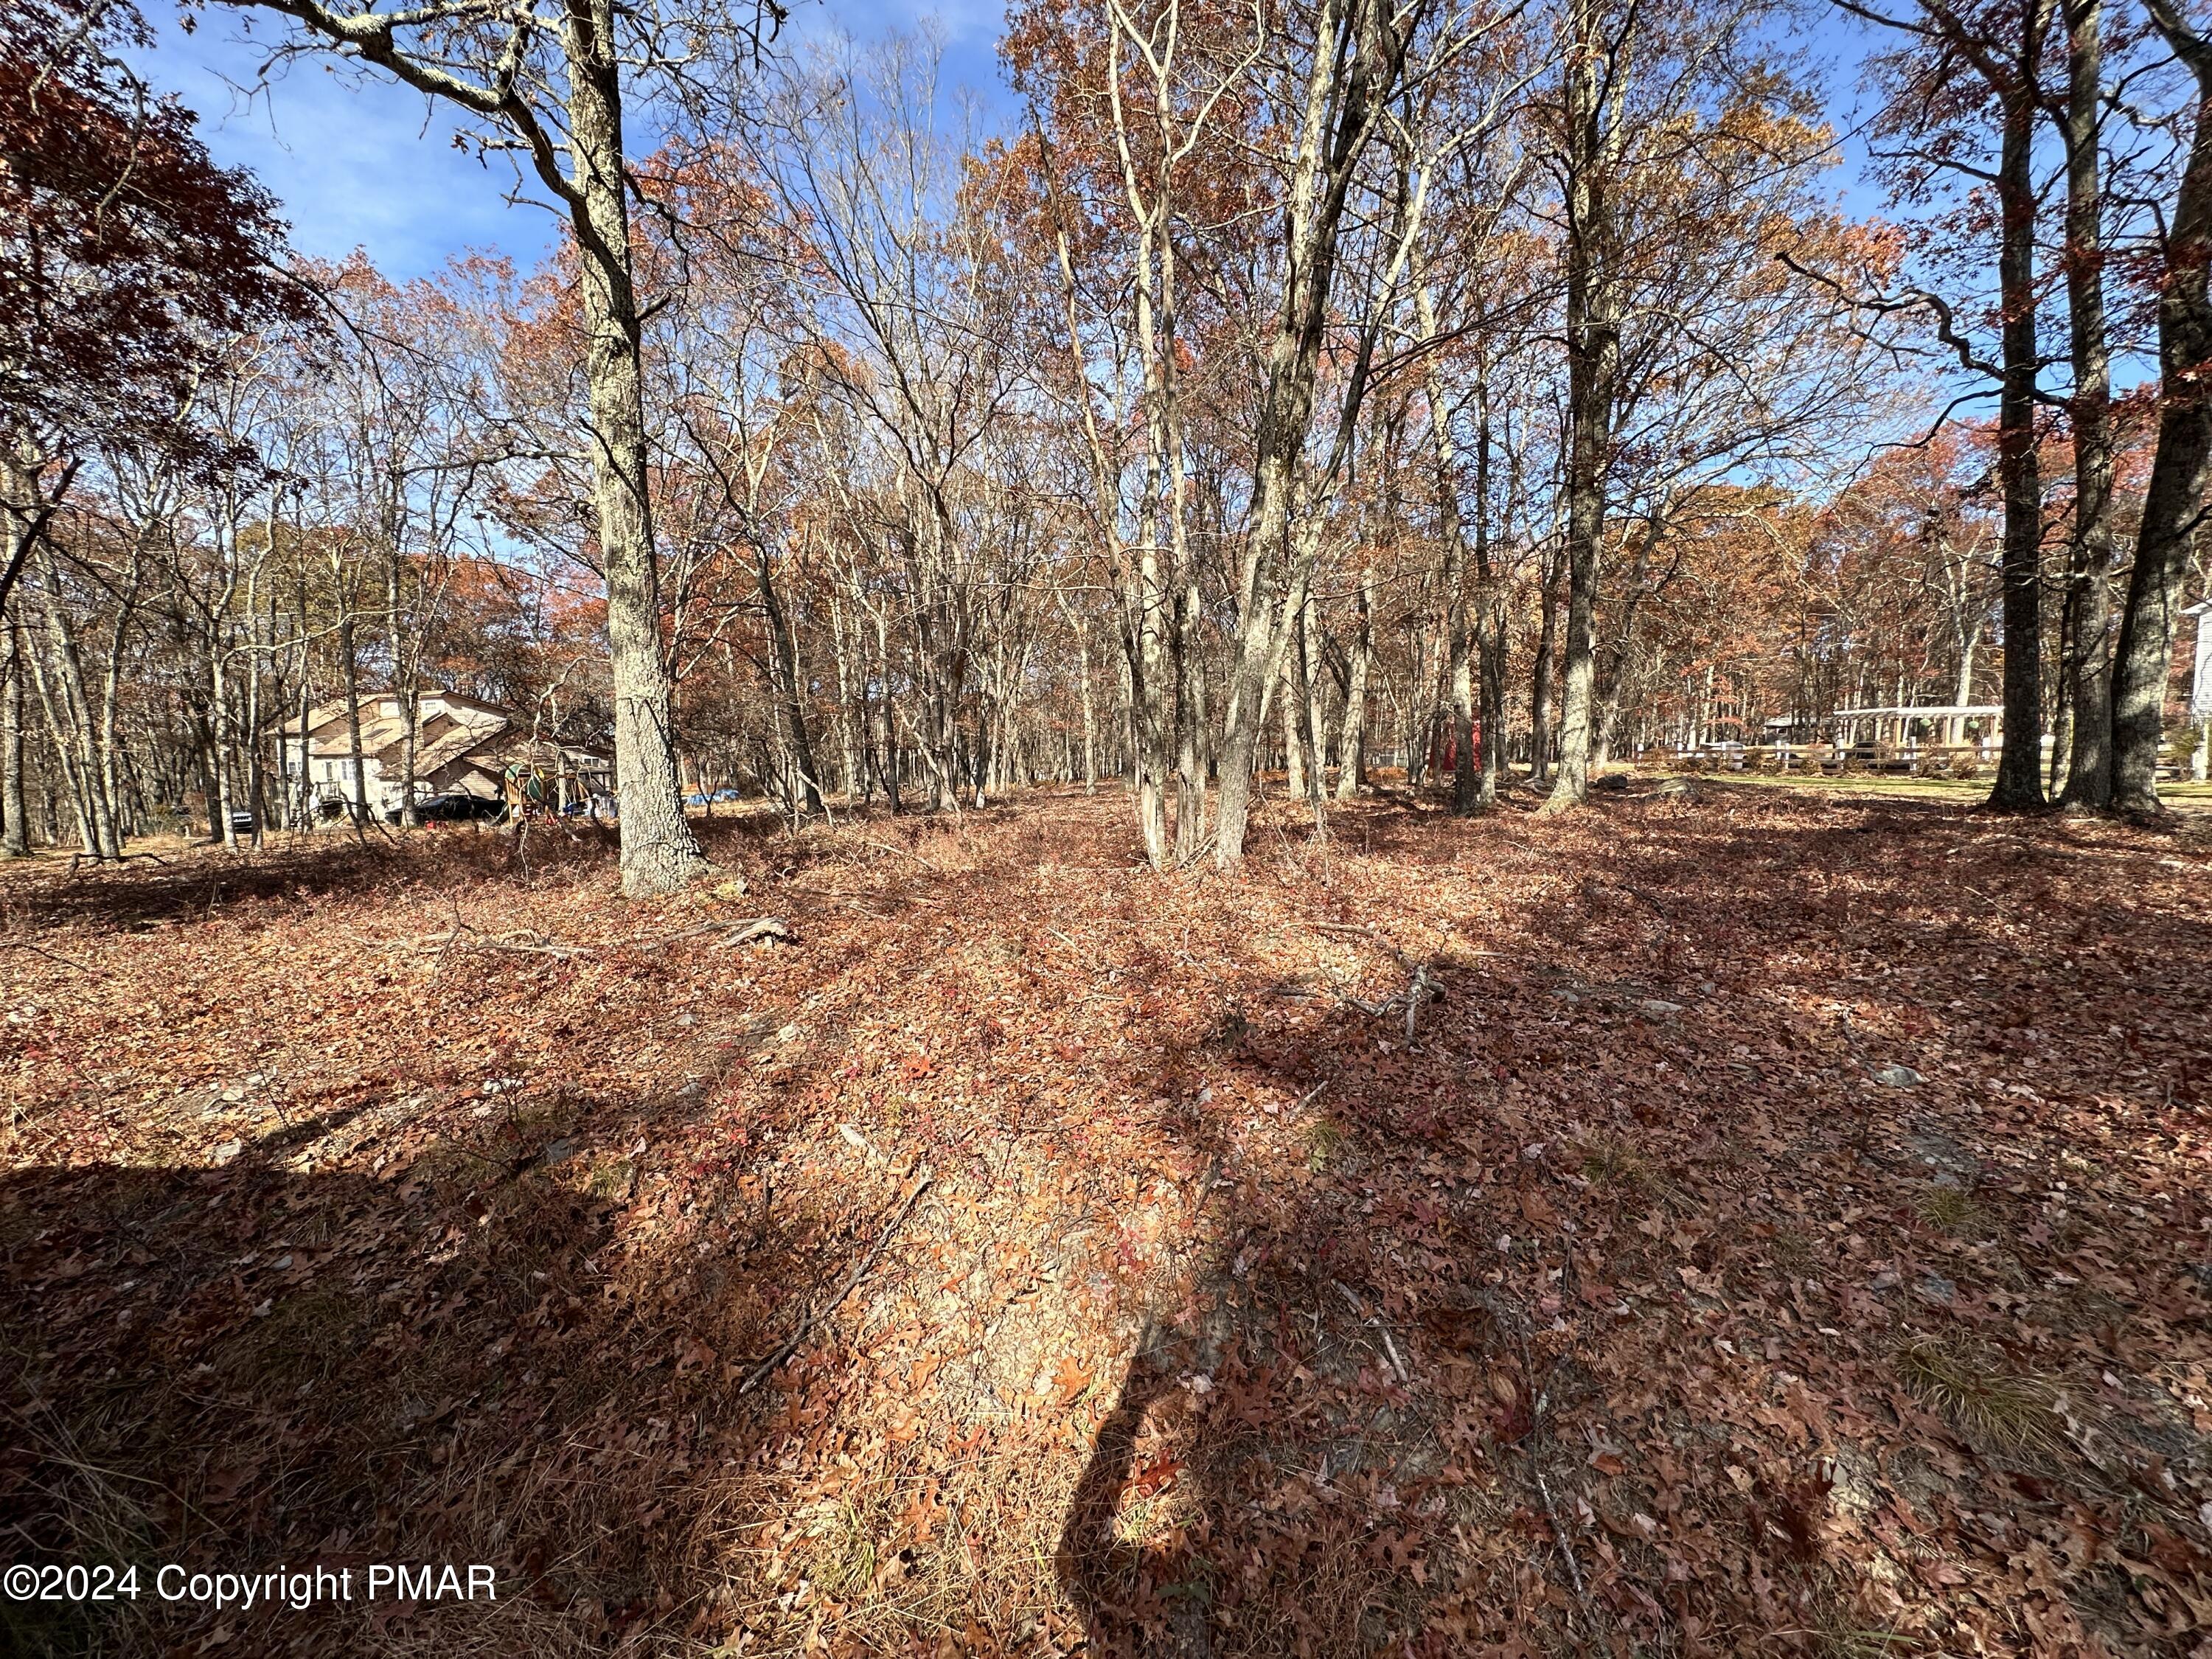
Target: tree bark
[[1357, 58], [1594, 118], [789, 684], [1459, 678], [658, 851], [15, 825], [1351, 744], [1309, 705], [1540, 696], [2143, 657], [2020, 766]]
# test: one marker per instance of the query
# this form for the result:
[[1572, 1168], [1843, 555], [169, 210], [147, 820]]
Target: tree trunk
[[349, 670], [1357, 58], [1539, 697], [1488, 631], [1593, 367], [658, 851], [1191, 729], [1309, 704], [2020, 767], [2143, 657], [887, 757], [1351, 744], [1459, 679], [788, 683], [1089, 711], [15, 825]]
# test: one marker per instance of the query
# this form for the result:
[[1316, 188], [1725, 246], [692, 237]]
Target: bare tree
[[547, 78]]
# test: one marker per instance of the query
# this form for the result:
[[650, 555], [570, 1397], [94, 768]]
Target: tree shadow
[[1600, 1316], [207, 882], [462, 1358]]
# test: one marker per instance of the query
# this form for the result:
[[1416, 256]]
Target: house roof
[[446, 746], [461, 727]]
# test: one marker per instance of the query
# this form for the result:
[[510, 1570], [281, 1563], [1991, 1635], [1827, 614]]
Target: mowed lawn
[[1756, 1220]]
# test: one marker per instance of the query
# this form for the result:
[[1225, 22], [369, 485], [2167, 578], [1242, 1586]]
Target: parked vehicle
[[460, 808]]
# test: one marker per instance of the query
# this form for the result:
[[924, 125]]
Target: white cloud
[[356, 161]]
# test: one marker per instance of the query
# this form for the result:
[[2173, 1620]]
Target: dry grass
[[1952, 1210], [1989, 1403]]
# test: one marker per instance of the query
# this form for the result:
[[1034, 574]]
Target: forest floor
[[1737, 1220], [2184, 797]]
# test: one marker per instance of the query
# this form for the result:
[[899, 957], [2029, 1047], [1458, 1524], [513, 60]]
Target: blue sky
[[360, 162]]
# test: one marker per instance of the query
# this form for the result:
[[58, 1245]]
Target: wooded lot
[[1356, 827]]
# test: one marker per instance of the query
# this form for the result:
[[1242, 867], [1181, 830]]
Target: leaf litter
[[1785, 1226]]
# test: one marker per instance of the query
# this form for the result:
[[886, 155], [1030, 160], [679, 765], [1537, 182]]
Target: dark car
[[460, 808]]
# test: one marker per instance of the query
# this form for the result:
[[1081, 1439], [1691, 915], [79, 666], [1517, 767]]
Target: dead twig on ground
[[734, 932], [54, 955], [1375, 1323], [524, 942], [789, 1346]]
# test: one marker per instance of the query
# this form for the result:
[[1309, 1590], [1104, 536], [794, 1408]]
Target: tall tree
[[548, 78], [2087, 665], [2174, 505], [1357, 52]]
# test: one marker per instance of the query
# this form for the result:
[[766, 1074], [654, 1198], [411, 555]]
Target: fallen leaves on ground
[[1787, 1227]]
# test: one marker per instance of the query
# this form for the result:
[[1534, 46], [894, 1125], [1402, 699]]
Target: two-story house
[[462, 746]]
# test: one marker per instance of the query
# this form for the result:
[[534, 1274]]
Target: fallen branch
[[1351, 927], [759, 928], [1421, 989], [1566, 1549], [53, 955], [1389, 1348], [903, 852], [524, 942], [789, 1346], [737, 932], [521, 942]]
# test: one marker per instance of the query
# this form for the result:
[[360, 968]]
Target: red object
[[1444, 748]]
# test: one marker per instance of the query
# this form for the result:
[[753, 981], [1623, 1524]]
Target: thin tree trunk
[[65, 757], [788, 683], [886, 730], [349, 669], [73, 721], [15, 825], [1089, 711], [1539, 697], [1357, 58], [1459, 678], [1309, 704], [1352, 744], [1594, 118], [2088, 664], [2020, 766]]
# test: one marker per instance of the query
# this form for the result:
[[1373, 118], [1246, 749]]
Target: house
[[463, 745]]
